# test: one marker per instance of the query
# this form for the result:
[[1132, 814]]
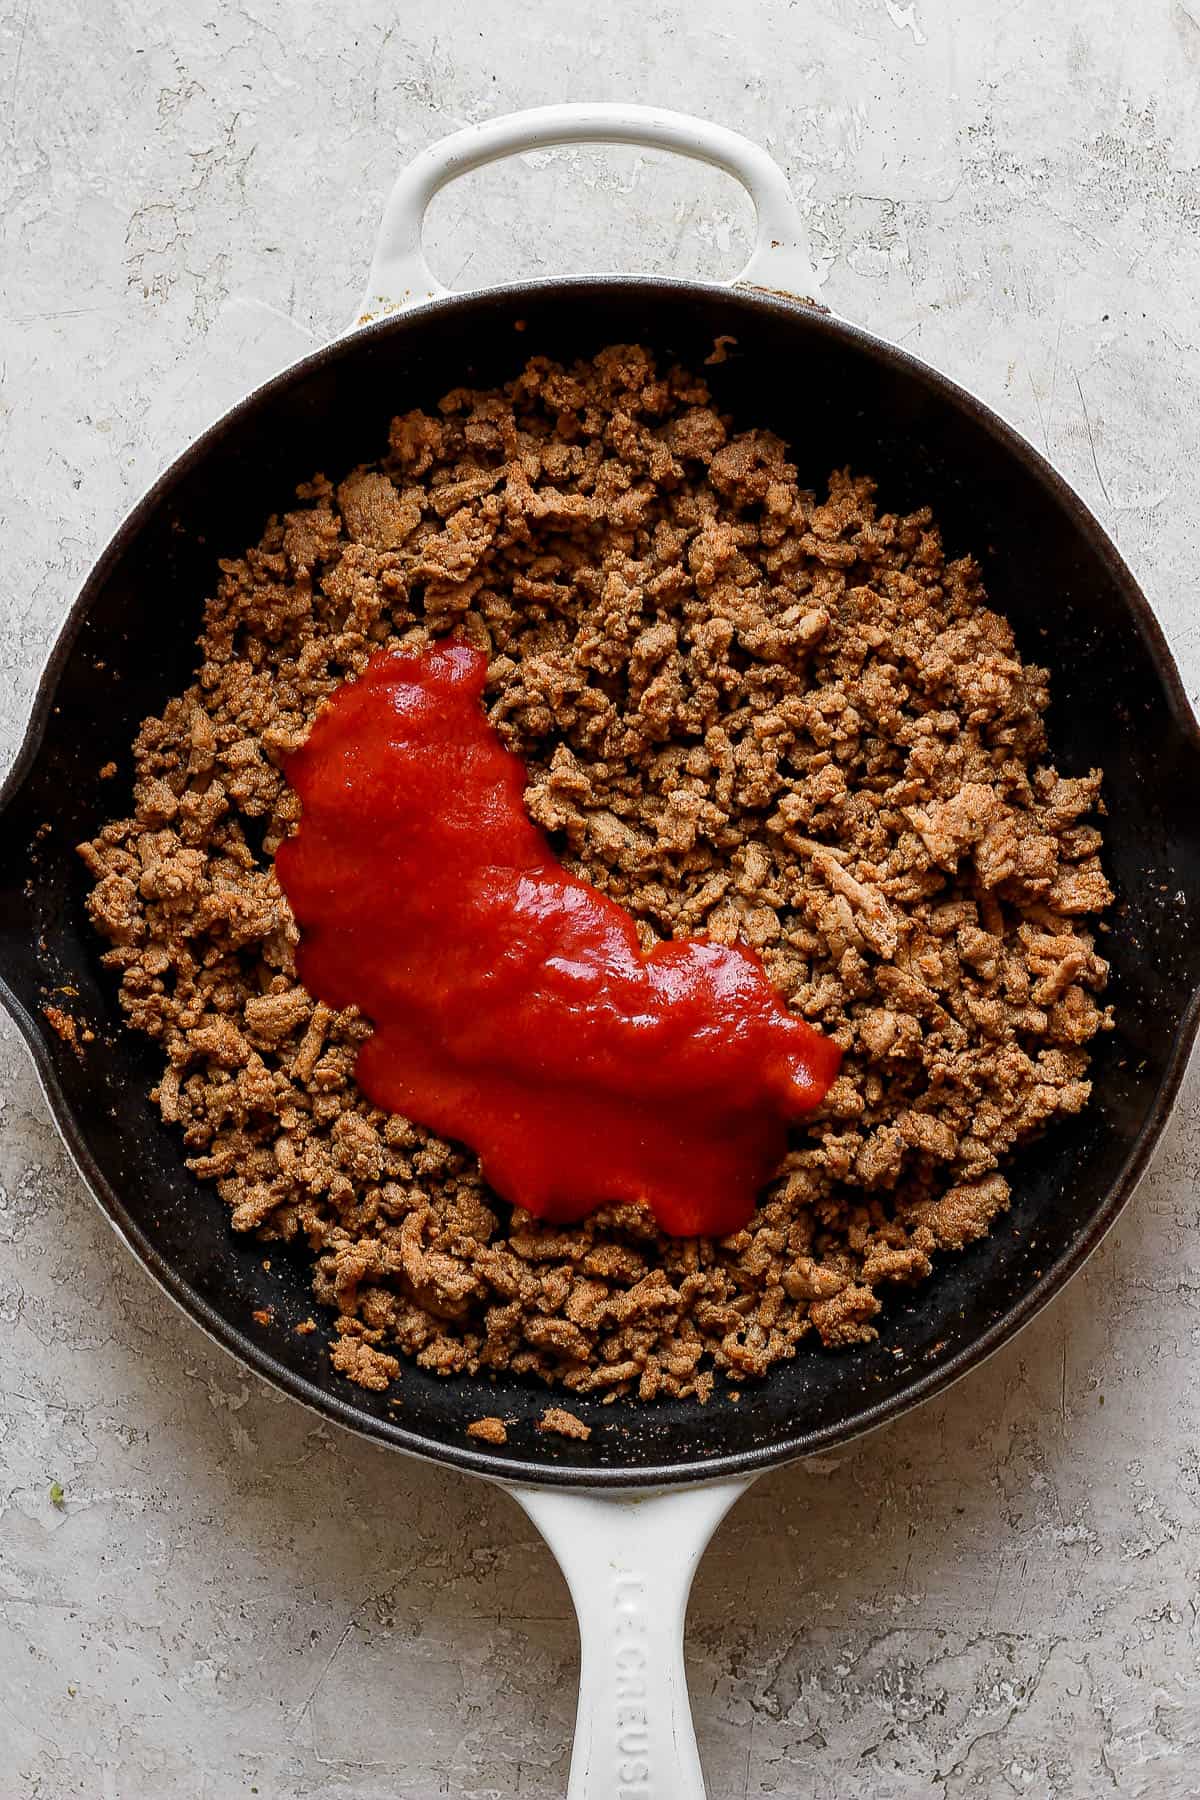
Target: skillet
[[629, 1512]]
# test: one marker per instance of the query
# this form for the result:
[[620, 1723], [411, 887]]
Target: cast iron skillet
[[837, 395]]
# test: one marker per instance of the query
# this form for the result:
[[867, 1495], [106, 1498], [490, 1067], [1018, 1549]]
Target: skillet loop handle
[[401, 278], [629, 1564]]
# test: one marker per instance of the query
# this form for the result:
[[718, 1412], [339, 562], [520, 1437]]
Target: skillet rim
[[331, 1404]]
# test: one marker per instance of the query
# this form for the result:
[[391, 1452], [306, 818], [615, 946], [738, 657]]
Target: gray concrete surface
[[997, 1597]]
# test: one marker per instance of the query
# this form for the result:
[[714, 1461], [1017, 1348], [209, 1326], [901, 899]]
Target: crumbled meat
[[564, 1424], [491, 1430], [744, 710], [64, 1025], [370, 1368]]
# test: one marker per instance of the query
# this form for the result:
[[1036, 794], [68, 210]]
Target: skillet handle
[[400, 277], [629, 1563]]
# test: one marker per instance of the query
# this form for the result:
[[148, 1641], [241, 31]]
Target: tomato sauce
[[513, 1007]]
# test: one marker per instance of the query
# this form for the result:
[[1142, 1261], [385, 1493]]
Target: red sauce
[[512, 1005]]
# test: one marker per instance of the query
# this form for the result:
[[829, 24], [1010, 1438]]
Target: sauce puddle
[[513, 1007]]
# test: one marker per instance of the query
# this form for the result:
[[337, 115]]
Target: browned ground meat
[[743, 710], [489, 1429], [563, 1424]]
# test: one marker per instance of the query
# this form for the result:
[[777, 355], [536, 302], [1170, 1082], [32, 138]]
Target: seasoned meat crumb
[[491, 1430], [745, 710], [562, 1423], [64, 1025]]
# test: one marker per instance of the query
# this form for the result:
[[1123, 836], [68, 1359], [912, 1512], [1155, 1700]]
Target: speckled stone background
[[998, 1596]]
